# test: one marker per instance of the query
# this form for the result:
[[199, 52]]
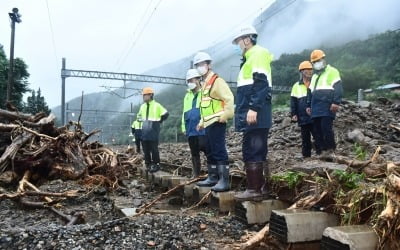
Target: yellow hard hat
[[316, 55], [147, 90], [305, 65]]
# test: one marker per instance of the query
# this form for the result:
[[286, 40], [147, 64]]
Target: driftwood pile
[[33, 150]]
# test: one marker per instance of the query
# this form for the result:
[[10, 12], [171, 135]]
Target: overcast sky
[[110, 35]]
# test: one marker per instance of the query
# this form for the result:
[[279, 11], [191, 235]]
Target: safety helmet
[[305, 65], [201, 57], [147, 90], [316, 55], [192, 73], [244, 31]]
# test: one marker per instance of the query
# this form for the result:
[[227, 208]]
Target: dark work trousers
[[137, 142], [216, 147], [323, 133], [255, 145], [151, 154], [306, 131], [197, 144]]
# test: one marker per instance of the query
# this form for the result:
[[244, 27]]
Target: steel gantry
[[65, 73]]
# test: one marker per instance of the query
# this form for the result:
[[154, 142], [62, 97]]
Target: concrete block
[[199, 192], [188, 190], [174, 181], [257, 212], [223, 200], [297, 225], [121, 202], [156, 177], [127, 212], [357, 237]]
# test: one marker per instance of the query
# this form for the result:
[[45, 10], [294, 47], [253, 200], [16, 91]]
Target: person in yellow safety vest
[[190, 119], [253, 111], [152, 114], [326, 96], [137, 132], [300, 108], [216, 107]]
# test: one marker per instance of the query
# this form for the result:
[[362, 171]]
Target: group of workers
[[209, 103]]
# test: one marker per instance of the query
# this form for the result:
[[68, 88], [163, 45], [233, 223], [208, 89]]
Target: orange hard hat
[[305, 65], [316, 55], [147, 90]]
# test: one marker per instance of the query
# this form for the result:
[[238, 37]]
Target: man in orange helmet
[[326, 96], [152, 114], [300, 107]]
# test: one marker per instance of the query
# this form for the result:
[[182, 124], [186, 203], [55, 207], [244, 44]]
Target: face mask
[[191, 85], [318, 65], [202, 69], [237, 50]]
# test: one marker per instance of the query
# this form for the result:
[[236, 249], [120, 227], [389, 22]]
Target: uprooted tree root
[[358, 196]]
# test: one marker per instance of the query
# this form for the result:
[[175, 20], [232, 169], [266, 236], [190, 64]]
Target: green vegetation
[[347, 179], [291, 178], [20, 81], [360, 152], [362, 64]]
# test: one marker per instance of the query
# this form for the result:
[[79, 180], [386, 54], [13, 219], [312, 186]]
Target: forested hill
[[362, 64]]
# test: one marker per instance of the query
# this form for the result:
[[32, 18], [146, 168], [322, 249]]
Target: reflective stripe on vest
[[258, 60], [152, 111], [209, 106], [299, 90], [137, 125], [325, 80]]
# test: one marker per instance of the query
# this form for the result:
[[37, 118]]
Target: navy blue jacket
[[299, 102]]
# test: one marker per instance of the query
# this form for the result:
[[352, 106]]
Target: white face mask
[[191, 85], [318, 65], [237, 50], [202, 69]]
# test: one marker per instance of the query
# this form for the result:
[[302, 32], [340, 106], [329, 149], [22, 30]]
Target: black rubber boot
[[256, 186], [212, 178], [223, 182], [196, 166], [154, 167]]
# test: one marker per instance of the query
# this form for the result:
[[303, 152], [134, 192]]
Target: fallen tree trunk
[[13, 149]]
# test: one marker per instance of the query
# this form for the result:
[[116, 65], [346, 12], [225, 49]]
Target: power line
[[52, 32], [138, 36], [134, 32]]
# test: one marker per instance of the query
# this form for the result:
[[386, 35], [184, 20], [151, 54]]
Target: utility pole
[[15, 18]]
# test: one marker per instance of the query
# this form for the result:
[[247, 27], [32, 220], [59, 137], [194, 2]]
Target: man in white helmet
[[216, 107], [191, 118], [253, 111]]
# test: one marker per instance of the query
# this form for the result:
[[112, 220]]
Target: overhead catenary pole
[[63, 92], [15, 18]]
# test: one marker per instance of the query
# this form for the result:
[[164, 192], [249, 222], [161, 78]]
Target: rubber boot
[[196, 166], [255, 183], [212, 178], [154, 167], [223, 181]]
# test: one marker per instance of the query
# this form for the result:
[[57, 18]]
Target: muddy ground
[[201, 228]]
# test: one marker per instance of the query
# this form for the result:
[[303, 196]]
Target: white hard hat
[[201, 57], [192, 73], [243, 31]]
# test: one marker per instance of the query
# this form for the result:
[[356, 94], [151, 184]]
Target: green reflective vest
[[136, 124], [326, 79], [188, 105], [258, 60], [299, 90], [151, 111], [210, 107]]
